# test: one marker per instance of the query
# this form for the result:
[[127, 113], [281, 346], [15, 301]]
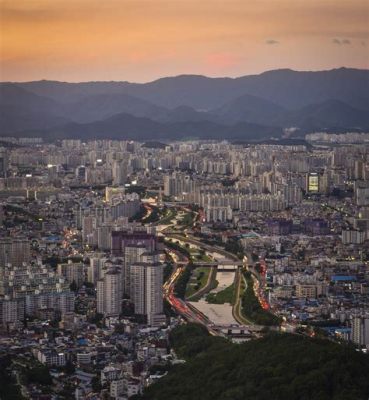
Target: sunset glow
[[81, 40]]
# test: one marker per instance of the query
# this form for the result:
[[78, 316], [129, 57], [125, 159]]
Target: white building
[[147, 289], [109, 293]]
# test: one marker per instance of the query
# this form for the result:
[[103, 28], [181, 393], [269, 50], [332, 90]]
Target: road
[[185, 310], [188, 311], [213, 249]]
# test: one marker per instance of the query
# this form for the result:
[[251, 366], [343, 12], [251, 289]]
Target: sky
[[139, 41]]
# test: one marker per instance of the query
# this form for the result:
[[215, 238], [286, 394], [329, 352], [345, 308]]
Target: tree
[[38, 374], [73, 286], [278, 367], [119, 328], [69, 367], [95, 384]]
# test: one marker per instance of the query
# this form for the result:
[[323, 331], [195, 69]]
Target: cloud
[[341, 41], [271, 41]]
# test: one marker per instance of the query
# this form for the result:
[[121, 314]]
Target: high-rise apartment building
[[121, 239], [109, 293], [360, 330], [73, 272], [147, 288], [120, 172], [14, 251], [132, 254]]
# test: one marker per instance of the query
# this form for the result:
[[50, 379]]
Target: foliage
[[199, 279], [167, 309], [226, 295], [176, 246], [8, 388], [168, 215], [153, 217], [182, 281], [168, 269], [69, 367], [188, 219], [119, 329], [278, 367], [159, 368], [139, 214], [136, 189], [95, 384], [251, 307], [37, 373], [192, 339], [195, 207], [95, 318], [73, 287], [235, 247]]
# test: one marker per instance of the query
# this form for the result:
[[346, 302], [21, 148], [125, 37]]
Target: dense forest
[[279, 366]]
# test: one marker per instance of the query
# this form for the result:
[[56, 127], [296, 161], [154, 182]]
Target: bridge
[[211, 248], [227, 265], [221, 262]]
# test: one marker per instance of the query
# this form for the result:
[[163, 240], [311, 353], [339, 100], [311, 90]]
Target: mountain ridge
[[276, 99]]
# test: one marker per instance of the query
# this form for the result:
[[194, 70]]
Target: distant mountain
[[252, 106], [102, 106], [294, 89], [126, 126], [287, 88], [66, 92], [185, 113], [328, 114], [249, 108], [14, 95], [20, 110]]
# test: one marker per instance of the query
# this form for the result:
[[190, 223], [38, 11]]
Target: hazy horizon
[[184, 75]]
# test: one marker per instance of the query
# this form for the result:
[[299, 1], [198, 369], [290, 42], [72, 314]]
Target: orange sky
[[135, 40]]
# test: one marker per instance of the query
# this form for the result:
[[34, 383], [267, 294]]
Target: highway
[[185, 310], [213, 249]]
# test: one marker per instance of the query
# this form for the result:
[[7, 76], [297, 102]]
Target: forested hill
[[276, 367]]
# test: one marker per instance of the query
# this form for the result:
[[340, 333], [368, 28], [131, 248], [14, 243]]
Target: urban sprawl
[[106, 246]]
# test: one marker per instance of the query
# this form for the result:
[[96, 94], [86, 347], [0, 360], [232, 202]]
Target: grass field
[[167, 218], [227, 295], [197, 281]]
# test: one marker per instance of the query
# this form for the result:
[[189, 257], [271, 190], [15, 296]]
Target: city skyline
[[184, 199], [143, 40]]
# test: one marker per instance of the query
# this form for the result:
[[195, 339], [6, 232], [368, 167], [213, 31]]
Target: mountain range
[[249, 107]]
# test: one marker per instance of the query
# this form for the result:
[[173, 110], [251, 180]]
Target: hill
[[277, 367]]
